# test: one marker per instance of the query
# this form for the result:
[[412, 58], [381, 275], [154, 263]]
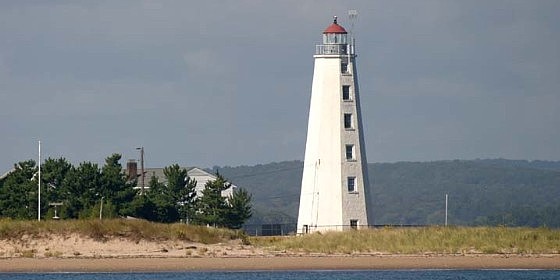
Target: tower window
[[350, 152], [351, 183], [346, 93], [344, 67], [354, 224], [348, 121]]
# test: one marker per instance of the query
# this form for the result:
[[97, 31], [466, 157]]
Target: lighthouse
[[335, 186]]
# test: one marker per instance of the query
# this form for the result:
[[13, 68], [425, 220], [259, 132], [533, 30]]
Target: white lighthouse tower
[[335, 186]]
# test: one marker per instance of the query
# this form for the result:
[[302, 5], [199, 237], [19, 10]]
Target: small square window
[[349, 152], [354, 224], [346, 93], [348, 121], [351, 183]]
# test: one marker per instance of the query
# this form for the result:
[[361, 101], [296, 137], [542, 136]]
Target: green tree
[[182, 189], [213, 207], [240, 208], [165, 209], [114, 187], [169, 202], [53, 173], [142, 207], [80, 191], [18, 195]]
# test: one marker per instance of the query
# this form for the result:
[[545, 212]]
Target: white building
[[335, 186], [201, 177]]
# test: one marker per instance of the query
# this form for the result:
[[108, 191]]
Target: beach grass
[[388, 240], [120, 228], [425, 240]]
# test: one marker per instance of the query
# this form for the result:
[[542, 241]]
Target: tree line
[[88, 191], [481, 192]]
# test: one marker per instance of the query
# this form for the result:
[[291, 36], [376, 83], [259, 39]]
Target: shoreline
[[279, 263], [134, 246]]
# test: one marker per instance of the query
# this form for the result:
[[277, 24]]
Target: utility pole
[[143, 176], [39, 188]]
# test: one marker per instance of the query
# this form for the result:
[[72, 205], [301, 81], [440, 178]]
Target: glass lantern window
[[334, 38]]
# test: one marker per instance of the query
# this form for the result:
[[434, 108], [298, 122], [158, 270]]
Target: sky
[[205, 83]]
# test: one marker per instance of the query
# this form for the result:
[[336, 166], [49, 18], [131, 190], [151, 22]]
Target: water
[[287, 275]]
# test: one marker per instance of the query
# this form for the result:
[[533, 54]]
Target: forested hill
[[535, 164], [481, 192]]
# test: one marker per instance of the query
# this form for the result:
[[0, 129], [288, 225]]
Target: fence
[[291, 229], [270, 229]]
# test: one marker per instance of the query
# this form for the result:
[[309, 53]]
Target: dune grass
[[104, 229], [434, 240], [427, 240]]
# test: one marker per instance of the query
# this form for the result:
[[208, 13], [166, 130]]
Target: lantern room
[[335, 40], [335, 34]]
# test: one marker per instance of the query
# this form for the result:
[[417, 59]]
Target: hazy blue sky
[[228, 82]]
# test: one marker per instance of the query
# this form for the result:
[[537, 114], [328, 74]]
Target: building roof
[[200, 175], [335, 28], [3, 176]]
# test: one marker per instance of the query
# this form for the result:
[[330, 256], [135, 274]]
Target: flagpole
[[446, 209], [39, 198]]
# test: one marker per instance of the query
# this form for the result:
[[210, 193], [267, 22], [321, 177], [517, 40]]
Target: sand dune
[[75, 253]]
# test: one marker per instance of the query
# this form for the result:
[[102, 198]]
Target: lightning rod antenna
[[352, 17]]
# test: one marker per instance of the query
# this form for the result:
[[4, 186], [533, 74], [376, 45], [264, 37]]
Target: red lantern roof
[[335, 28]]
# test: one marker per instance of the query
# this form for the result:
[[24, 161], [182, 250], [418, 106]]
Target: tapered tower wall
[[322, 153], [335, 185]]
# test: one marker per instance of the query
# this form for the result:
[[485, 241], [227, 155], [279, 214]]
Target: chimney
[[132, 169]]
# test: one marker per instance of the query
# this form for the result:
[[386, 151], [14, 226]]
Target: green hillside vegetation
[[275, 188], [435, 240], [481, 192]]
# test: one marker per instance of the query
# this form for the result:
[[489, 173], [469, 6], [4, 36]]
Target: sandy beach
[[277, 263], [74, 253]]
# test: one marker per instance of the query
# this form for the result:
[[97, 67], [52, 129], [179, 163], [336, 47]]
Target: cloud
[[228, 82]]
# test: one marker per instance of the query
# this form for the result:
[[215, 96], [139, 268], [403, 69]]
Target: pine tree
[[53, 173], [18, 195], [114, 187], [182, 190], [212, 205], [142, 207], [80, 191], [240, 208], [165, 209]]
